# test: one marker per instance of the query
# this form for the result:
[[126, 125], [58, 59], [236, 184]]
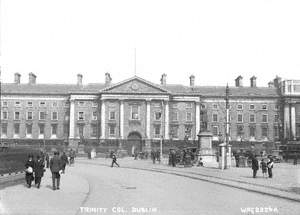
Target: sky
[[215, 40]]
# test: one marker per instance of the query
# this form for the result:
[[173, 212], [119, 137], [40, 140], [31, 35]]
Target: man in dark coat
[[55, 167], [38, 170], [255, 165], [153, 156], [270, 164], [29, 170], [47, 159], [64, 160], [114, 160]]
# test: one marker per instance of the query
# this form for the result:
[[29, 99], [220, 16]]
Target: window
[[252, 107], [157, 105], [203, 106], [215, 106], [80, 130], [264, 107], [29, 104], [53, 129], [189, 105], [240, 107], [54, 115], [42, 115], [175, 116], [112, 130], [264, 131], [240, 130], [276, 131], [4, 129], [157, 115], [135, 112], [94, 104], [252, 118], [4, 104], [17, 115], [54, 104], [215, 131], [174, 131], [66, 104], [94, 131], [264, 118], [252, 131], [42, 129], [215, 117], [17, 104], [240, 118], [157, 131], [28, 130], [276, 118], [80, 115], [16, 129], [81, 103], [276, 107], [42, 104], [29, 116], [188, 132], [189, 116], [95, 115], [112, 115], [4, 115]]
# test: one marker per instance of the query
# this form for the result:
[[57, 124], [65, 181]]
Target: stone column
[[197, 118], [148, 119], [102, 119], [286, 121], [167, 120], [72, 119], [293, 121], [122, 119]]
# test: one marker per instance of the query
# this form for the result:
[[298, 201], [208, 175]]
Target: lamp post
[[161, 141]]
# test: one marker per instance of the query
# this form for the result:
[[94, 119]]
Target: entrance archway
[[134, 143]]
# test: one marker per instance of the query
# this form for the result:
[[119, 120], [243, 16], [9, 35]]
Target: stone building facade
[[138, 111]]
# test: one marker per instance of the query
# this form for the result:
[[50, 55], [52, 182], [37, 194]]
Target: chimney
[[107, 79], [239, 81], [277, 82], [253, 81], [192, 81], [32, 78], [163, 80], [17, 78], [271, 84], [79, 79]]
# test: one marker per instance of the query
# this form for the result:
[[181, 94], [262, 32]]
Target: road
[[132, 191]]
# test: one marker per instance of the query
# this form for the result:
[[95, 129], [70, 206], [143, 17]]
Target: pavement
[[75, 187]]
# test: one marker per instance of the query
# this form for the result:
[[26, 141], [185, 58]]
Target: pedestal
[[206, 152]]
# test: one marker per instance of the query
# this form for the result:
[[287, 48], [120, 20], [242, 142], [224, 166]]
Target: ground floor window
[[240, 130], [4, 129], [112, 130], [94, 131], [66, 130], [215, 131], [17, 129], [54, 129], [276, 131], [264, 132], [28, 130], [252, 131], [157, 131], [174, 131], [42, 129], [188, 131]]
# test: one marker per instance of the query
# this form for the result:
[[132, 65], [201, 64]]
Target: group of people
[[35, 167], [265, 166], [155, 156]]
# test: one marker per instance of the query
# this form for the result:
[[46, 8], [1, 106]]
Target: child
[[263, 168]]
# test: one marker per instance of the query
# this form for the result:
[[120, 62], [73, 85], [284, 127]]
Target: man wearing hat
[[55, 167]]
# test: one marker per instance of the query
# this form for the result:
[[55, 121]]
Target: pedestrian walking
[[64, 161], [38, 170], [55, 167], [270, 164], [153, 156], [114, 160], [295, 159], [173, 158], [72, 157], [29, 165], [263, 166], [47, 160], [255, 165]]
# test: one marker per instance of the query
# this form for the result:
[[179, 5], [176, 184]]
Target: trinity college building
[[138, 111]]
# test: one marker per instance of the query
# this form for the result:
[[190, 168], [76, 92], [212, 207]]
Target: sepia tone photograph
[[162, 107]]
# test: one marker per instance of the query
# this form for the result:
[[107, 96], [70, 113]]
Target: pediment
[[135, 85]]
